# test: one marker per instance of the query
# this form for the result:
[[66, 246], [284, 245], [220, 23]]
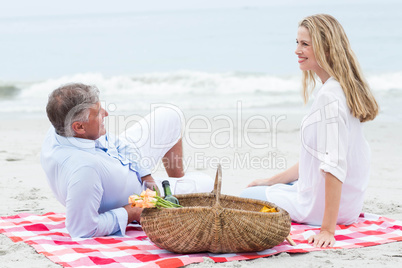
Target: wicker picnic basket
[[216, 223]]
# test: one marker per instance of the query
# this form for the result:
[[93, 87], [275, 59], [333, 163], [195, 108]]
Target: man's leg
[[173, 160], [166, 130], [158, 137]]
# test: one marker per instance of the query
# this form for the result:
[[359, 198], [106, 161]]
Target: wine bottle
[[168, 193]]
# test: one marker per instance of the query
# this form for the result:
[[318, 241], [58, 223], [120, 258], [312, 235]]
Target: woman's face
[[304, 51]]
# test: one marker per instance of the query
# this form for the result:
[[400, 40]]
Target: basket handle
[[218, 184]]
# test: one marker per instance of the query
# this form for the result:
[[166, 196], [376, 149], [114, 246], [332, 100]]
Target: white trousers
[[154, 136]]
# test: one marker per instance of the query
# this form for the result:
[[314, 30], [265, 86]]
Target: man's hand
[[134, 213], [323, 239], [150, 183]]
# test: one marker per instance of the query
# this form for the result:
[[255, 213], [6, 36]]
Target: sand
[[24, 188]]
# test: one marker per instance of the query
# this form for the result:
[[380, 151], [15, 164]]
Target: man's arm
[[84, 196]]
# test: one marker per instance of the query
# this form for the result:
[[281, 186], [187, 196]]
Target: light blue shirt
[[93, 180]]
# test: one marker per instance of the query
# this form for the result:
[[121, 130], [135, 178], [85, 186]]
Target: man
[[92, 173]]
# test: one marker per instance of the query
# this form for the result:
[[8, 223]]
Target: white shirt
[[332, 141]]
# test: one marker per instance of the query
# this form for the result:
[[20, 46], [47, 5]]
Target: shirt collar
[[315, 92], [76, 142]]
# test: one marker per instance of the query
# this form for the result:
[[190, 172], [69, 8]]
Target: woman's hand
[[287, 176], [260, 182], [323, 239], [333, 190]]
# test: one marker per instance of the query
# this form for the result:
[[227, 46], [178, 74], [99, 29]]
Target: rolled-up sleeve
[[84, 196], [332, 137]]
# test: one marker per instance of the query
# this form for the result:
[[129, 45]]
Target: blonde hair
[[335, 56]]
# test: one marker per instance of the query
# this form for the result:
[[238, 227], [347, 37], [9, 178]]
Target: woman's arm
[[289, 175], [333, 189]]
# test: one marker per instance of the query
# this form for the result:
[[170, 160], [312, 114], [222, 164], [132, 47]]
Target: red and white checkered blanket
[[48, 235]]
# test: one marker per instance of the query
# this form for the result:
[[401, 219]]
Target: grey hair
[[70, 103]]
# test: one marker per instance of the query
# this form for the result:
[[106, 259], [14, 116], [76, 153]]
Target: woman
[[333, 170]]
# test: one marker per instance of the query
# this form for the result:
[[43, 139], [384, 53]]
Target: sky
[[18, 8]]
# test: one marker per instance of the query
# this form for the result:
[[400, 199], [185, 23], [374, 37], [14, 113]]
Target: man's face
[[95, 127]]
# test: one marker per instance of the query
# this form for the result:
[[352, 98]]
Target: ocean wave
[[181, 82], [8, 91], [188, 89], [386, 82], [189, 82]]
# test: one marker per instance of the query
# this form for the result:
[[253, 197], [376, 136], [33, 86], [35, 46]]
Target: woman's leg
[[256, 192]]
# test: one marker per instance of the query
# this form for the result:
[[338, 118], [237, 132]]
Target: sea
[[199, 59]]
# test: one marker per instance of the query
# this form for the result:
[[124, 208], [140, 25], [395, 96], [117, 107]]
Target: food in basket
[[268, 209], [150, 199]]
